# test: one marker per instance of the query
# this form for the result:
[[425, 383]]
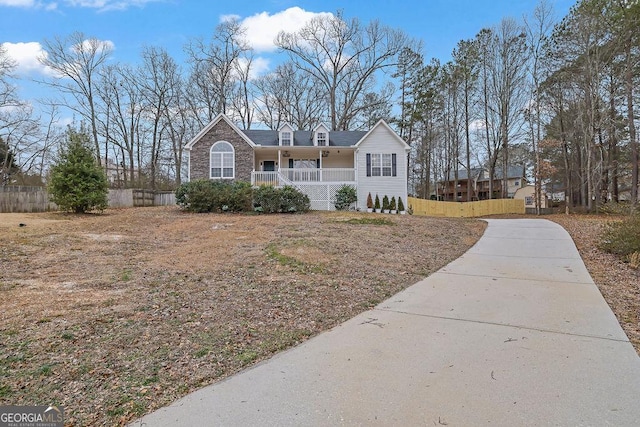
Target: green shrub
[[204, 195], [268, 199], [293, 200], [345, 197], [392, 203], [612, 208], [400, 204], [377, 203], [77, 183], [622, 237], [385, 203]]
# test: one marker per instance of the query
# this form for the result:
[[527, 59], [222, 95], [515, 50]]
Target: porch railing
[[303, 175], [319, 175], [265, 178]]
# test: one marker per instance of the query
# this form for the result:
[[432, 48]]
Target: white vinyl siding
[[383, 143], [222, 161]]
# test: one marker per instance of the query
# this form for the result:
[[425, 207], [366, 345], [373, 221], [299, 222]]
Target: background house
[[449, 189], [528, 194], [317, 162]]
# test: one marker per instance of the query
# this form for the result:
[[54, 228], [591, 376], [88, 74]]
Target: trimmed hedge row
[[222, 196]]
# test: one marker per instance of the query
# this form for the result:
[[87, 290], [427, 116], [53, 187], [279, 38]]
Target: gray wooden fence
[[36, 199]]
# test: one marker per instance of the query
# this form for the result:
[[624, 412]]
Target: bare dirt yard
[[117, 314]]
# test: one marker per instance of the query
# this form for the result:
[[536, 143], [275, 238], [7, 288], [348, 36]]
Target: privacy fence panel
[[36, 199], [466, 209], [25, 199]]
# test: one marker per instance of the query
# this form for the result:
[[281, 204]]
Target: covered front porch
[[303, 165]]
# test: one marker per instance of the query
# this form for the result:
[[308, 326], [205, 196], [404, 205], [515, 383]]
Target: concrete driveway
[[513, 333]]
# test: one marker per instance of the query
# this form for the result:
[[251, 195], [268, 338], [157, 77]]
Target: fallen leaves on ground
[[115, 315]]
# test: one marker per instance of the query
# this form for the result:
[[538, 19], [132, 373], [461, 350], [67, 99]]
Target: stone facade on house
[[200, 153]]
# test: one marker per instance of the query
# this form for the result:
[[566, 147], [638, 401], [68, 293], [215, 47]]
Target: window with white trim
[[222, 161], [381, 164], [285, 138], [322, 139]]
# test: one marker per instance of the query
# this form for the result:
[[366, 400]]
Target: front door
[[269, 166]]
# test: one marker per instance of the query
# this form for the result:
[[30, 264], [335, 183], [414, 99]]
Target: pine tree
[[77, 183]]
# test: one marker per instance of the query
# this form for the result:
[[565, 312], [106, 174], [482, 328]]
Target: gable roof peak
[[212, 123], [385, 125], [285, 125], [321, 125]]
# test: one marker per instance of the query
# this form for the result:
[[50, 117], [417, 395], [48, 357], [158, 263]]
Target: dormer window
[[321, 135], [322, 139], [285, 138]]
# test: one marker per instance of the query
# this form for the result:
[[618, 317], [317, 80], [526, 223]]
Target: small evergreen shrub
[[369, 202], [400, 204], [268, 199], [377, 203], [385, 203], [392, 203], [345, 197]]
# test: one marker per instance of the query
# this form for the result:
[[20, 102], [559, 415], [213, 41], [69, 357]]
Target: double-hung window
[[322, 139], [286, 139], [222, 161], [381, 164]]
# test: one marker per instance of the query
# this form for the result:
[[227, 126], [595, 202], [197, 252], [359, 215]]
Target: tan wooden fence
[[25, 199], [466, 209], [36, 199]]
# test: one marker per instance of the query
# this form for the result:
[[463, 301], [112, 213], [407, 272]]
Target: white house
[[317, 161]]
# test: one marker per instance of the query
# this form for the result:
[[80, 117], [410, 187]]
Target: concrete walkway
[[513, 333]]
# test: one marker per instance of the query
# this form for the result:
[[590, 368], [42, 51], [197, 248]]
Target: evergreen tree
[[77, 183]]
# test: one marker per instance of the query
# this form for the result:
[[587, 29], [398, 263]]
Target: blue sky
[[131, 24]]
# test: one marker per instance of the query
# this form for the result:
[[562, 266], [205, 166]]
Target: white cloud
[[100, 45], [259, 65], [226, 18], [106, 5], [262, 28], [17, 3], [26, 57], [28, 4]]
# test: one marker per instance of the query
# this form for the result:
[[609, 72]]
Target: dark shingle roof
[[304, 138], [513, 172], [462, 174]]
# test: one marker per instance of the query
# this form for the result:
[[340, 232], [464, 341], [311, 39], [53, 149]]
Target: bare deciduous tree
[[344, 57], [76, 60]]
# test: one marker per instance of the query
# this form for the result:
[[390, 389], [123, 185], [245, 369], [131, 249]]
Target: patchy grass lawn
[[118, 314]]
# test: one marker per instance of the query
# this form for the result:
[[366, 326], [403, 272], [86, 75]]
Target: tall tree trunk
[[633, 141]]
